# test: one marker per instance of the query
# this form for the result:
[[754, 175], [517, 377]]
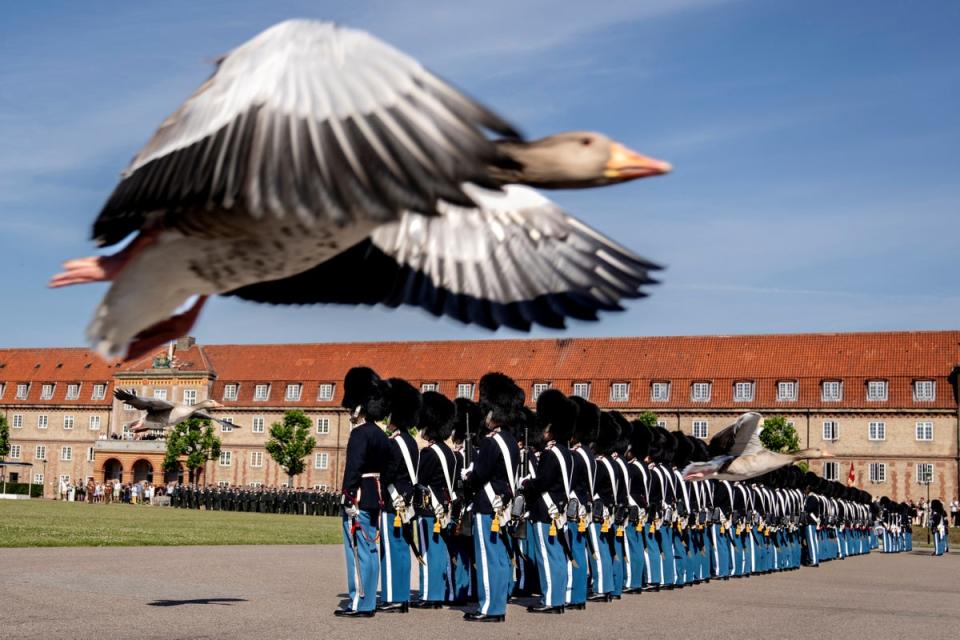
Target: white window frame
[[223, 484], [924, 384], [66, 454], [47, 390], [877, 390], [582, 390], [835, 466], [15, 451], [130, 407], [93, 424], [190, 397], [787, 396], [325, 391], [73, 391], [876, 431], [23, 390], [704, 428], [323, 425], [38, 478], [662, 424], [321, 487], [321, 460], [538, 388], [3, 389], [159, 394], [69, 422], [99, 391], [743, 391], [258, 421], [924, 466], [293, 392], [224, 428], [465, 390], [660, 391], [261, 393], [835, 426], [429, 386], [226, 459], [878, 472], [43, 421], [256, 459], [620, 392], [924, 428], [231, 391], [697, 391], [91, 454], [40, 452], [829, 384], [16, 421]]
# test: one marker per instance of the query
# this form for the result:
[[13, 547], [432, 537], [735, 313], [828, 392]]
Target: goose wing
[[312, 121], [742, 438], [206, 416], [515, 260], [150, 405]]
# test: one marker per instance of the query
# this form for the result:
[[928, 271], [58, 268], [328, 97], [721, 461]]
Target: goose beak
[[625, 164], [216, 405]]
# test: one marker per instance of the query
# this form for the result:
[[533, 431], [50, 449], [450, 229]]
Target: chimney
[[185, 343]]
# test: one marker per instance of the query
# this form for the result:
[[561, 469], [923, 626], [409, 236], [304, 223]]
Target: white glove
[[351, 510], [439, 511], [497, 503], [464, 473], [522, 481], [553, 512], [398, 504]]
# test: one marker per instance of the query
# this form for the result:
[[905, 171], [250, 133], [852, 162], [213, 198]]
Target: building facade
[[884, 404]]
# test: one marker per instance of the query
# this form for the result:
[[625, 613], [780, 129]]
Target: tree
[[290, 442], [4, 437], [648, 419], [194, 439]]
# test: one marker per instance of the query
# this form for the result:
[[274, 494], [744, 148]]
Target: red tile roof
[[61, 367]]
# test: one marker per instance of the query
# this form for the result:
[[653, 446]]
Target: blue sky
[[815, 144]]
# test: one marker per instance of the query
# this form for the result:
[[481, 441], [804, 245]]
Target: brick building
[[884, 402]]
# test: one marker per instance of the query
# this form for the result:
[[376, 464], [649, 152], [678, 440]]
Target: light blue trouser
[[669, 574], [654, 558], [461, 560], [578, 575], [366, 537], [601, 561], [720, 550], [619, 562], [394, 562], [634, 552], [738, 554], [526, 576], [812, 546], [436, 574], [494, 571], [552, 564]]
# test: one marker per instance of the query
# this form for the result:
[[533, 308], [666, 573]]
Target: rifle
[[465, 525], [519, 508]]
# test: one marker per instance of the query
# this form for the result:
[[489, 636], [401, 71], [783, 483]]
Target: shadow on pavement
[[176, 603]]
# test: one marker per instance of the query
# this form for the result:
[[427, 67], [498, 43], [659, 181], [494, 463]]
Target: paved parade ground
[[236, 592]]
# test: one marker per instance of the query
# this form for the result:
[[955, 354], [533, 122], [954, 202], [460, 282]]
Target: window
[[17, 421], [700, 391], [320, 461], [323, 426], [831, 470], [66, 453], [190, 397], [261, 392], [23, 390], [226, 428], [94, 423], [877, 431], [256, 485], [43, 422], [127, 434], [924, 431], [257, 424], [38, 478], [465, 390], [429, 386], [223, 483], [699, 428], [226, 458], [325, 391], [924, 390], [40, 453], [924, 473], [787, 391], [320, 487], [619, 392], [68, 422], [743, 391], [130, 407], [14, 452], [160, 394], [662, 424], [73, 391], [3, 388], [293, 392], [582, 390], [256, 459], [660, 391], [539, 388], [831, 430], [65, 479], [878, 472], [99, 392], [877, 390], [230, 392], [46, 391], [832, 391], [91, 454]]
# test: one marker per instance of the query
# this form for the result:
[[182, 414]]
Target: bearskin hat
[[363, 388], [436, 416], [936, 506], [558, 412], [811, 481], [467, 411], [663, 446], [683, 450], [534, 433], [640, 440], [608, 436], [588, 420], [626, 432], [501, 400], [701, 453], [404, 404]]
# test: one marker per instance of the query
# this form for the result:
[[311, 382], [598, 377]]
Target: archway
[[176, 475], [113, 470], [142, 470]]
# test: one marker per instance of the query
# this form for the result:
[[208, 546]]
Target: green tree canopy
[[193, 438], [290, 443], [779, 436], [648, 419], [4, 437]]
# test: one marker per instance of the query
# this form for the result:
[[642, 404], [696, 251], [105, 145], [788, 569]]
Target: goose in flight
[[320, 165], [161, 414], [738, 453]]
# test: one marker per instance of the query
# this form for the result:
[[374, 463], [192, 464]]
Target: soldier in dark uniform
[[366, 396], [603, 530], [397, 484], [939, 527], [624, 570], [461, 543], [584, 472], [638, 501]]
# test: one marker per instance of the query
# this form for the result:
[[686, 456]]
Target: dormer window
[[660, 391], [230, 391], [924, 391], [743, 391], [261, 392], [99, 392], [831, 391], [619, 392], [46, 391], [429, 386], [465, 390], [325, 392], [877, 390], [73, 391], [539, 388], [581, 390], [22, 391], [787, 391], [700, 391], [293, 392]]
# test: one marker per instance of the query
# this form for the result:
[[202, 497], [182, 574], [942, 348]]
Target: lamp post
[[927, 479]]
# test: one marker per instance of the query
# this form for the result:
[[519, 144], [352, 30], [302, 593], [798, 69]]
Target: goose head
[[208, 404], [576, 160]]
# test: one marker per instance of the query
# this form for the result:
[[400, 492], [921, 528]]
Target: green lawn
[[44, 523]]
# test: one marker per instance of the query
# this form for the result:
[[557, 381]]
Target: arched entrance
[[176, 475], [142, 470], [113, 470]]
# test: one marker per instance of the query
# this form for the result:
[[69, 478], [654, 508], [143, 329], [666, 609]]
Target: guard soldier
[[467, 421], [604, 506], [638, 501], [938, 527], [584, 472]]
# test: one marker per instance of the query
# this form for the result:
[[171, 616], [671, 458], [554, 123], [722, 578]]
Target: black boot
[[393, 607], [476, 616], [350, 613], [545, 609]]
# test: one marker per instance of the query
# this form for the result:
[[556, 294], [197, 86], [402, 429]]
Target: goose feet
[[99, 268], [165, 331]]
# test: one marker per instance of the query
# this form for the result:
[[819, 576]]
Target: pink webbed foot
[[165, 331], [86, 270]]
